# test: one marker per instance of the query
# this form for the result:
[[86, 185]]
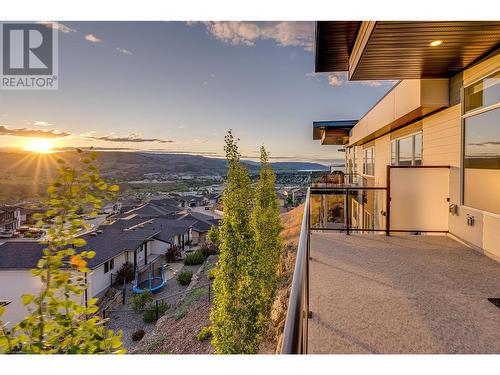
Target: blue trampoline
[[152, 283]]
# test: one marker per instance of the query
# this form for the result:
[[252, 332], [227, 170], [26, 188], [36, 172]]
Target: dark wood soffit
[[400, 50], [334, 43]]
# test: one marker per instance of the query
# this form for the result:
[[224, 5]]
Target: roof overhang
[[393, 50], [333, 132]]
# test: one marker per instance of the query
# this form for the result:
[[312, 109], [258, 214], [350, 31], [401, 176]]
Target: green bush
[[184, 278], [156, 343], [204, 334], [180, 314], [193, 259], [138, 335], [149, 315], [141, 301]]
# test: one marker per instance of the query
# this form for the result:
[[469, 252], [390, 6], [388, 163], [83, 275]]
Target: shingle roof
[[153, 210], [168, 228], [107, 245]]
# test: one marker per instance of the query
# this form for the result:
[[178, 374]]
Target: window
[[407, 150], [481, 177], [368, 162], [482, 94], [109, 265]]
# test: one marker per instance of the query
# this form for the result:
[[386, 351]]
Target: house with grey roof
[[135, 239]]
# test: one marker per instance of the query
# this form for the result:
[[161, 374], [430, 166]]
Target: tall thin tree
[[234, 312], [267, 226]]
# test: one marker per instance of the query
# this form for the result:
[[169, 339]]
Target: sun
[[41, 146]]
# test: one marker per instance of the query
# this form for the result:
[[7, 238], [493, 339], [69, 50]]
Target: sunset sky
[[176, 86]]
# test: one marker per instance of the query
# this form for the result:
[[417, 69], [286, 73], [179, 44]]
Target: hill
[[131, 165]]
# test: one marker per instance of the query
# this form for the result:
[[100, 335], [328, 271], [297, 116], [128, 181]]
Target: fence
[[172, 300]]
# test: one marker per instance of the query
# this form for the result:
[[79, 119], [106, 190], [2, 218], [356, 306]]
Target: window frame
[[365, 164], [413, 148], [463, 117]]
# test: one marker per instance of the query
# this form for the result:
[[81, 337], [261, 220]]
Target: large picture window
[[481, 178], [407, 150]]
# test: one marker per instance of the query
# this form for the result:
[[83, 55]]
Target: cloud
[[124, 51], [58, 26], [92, 38], [36, 133], [487, 143], [284, 34], [130, 138], [42, 123], [340, 78]]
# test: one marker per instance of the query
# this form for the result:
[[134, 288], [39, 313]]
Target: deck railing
[[295, 331]]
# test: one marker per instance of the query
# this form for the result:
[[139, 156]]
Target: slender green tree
[[267, 226], [57, 316], [234, 312]]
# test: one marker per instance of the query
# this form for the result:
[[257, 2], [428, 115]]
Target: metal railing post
[[388, 202], [295, 330], [347, 210]]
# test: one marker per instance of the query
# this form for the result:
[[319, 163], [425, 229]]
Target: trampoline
[[152, 283]]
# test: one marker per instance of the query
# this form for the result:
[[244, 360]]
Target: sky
[[179, 86]]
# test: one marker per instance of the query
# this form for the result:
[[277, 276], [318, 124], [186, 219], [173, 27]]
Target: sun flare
[[41, 146]]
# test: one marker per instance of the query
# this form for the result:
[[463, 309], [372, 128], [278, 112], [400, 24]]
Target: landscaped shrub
[[141, 301], [172, 254], [193, 259], [138, 335], [156, 343], [208, 249], [204, 334], [149, 316], [180, 314], [184, 278], [150, 312], [126, 272]]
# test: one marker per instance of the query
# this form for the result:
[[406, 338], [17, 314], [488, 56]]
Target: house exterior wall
[[19, 282], [158, 247], [98, 281], [442, 146]]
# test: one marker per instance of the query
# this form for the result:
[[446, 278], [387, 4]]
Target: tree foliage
[[268, 244], [249, 241], [234, 316], [57, 316]]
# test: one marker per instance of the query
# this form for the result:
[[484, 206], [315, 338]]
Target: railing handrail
[[295, 331]]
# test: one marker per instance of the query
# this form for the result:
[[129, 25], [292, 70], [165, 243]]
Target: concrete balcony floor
[[401, 294]]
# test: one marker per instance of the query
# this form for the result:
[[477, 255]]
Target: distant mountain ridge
[[132, 165]]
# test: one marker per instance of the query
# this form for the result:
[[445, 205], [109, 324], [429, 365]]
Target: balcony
[[370, 292]]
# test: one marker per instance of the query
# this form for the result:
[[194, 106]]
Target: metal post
[[347, 210], [124, 292], [388, 202]]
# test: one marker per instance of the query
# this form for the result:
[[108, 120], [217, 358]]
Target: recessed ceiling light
[[436, 43]]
